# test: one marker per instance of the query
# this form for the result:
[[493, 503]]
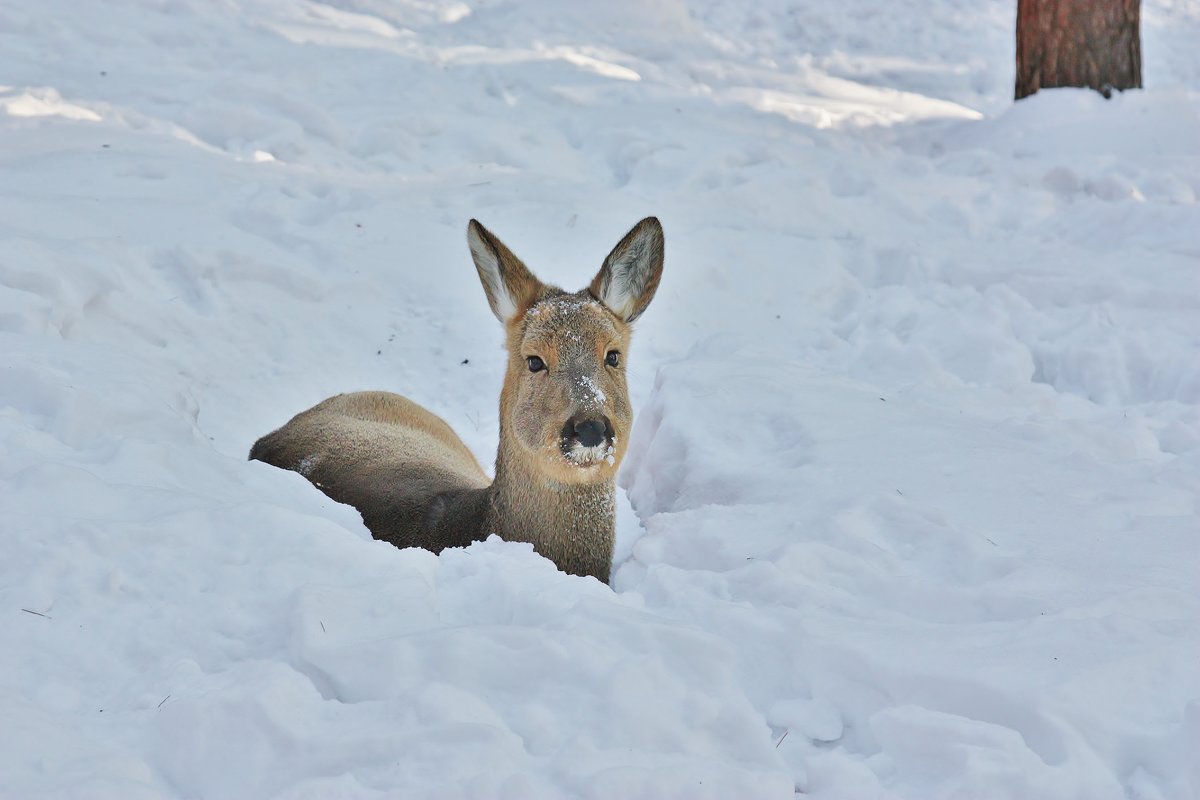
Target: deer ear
[[508, 283], [627, 281]]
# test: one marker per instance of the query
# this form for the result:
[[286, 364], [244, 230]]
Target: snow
[[590, 391], [910, 506]]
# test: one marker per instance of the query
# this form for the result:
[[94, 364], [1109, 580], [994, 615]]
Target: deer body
[[564, 423]]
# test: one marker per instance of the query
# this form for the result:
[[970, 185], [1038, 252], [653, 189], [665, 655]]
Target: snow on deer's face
[[565, 400]]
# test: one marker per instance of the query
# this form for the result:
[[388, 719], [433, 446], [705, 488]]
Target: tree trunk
[[1092, 43]]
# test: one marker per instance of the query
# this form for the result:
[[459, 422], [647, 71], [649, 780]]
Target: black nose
[[588, 431]]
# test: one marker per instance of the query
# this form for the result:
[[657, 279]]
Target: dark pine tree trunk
[[1092, 43]]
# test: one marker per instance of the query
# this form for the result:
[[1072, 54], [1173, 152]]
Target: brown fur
[[416, 483]]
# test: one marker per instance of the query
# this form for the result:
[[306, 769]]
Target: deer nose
[[591, 431]]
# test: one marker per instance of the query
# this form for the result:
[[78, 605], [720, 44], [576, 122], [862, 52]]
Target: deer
[[565, 419]]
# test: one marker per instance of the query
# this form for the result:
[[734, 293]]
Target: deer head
[[564, 409]]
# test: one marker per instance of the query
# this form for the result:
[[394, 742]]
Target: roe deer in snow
[[564, 422]]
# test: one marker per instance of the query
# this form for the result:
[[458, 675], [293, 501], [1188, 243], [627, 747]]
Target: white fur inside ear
[[488, 264], [631, 271], [620, 291]]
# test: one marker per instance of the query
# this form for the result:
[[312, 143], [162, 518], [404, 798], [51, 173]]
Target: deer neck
[[573, 525]]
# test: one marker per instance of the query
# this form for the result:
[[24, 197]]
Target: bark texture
[[1088, 43]]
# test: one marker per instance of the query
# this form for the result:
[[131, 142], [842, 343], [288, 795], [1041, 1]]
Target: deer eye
[[535, 364], [613, 358]]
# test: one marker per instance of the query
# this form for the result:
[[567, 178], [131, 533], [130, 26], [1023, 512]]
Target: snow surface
[[910, 508]]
